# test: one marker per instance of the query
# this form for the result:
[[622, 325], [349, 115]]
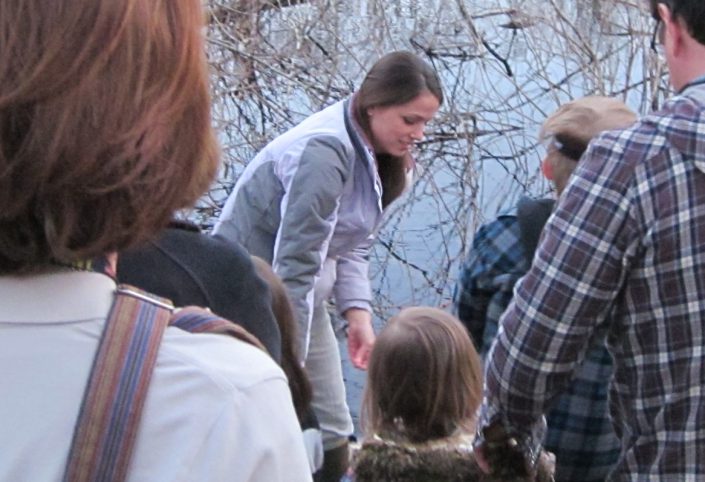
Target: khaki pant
[[324, 369]]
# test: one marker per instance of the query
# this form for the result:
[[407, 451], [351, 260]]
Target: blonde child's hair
[[424, 378]]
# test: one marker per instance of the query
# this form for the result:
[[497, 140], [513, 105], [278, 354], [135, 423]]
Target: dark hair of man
[[691, 12], [104, 125], [424, 378]]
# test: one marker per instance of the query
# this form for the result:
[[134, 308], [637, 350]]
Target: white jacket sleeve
[[352, 286]]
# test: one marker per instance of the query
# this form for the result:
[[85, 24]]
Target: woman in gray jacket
[[310, 203]]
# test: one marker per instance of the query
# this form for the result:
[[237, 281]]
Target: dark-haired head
[[398, 96], [691, 12], [395, 79]]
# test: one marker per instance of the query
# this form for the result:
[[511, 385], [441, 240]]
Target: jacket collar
[[362, 147], [58, 296]]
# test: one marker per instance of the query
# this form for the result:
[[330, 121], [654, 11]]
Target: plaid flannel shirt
[[579, 430], [627, 238]]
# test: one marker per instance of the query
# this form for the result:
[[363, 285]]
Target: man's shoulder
[[650, 147], [217, 362], [505, 220], [219, 408], [496, 248], [498, 235], [679, 118]]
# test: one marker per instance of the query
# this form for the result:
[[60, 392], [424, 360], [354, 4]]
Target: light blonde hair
[[105, 124], [575, 124], [424, 379]]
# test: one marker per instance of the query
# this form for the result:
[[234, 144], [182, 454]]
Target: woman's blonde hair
[[424, 379], [104, 124]]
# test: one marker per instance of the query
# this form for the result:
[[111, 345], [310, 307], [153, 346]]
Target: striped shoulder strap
[[199, 320], [106, 428], [107, 422]]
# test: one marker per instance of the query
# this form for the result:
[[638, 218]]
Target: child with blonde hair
[[424, 387]]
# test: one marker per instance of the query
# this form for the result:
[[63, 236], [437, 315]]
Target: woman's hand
[[361, 336]]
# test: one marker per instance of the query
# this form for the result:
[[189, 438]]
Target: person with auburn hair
[[424, 386], [310, 204], [104, 132]]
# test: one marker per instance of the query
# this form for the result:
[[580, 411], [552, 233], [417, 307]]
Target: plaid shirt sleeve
[[494, 263], [627, 240], [568, 291]]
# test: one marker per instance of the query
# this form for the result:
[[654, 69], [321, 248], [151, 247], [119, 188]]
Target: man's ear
[[547, 168], [673, 29]]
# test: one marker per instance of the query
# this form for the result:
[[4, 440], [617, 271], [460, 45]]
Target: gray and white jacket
[[310, 203]]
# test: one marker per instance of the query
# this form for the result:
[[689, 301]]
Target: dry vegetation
[[505, 64]]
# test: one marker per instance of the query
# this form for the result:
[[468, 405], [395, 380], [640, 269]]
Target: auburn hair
[[424, 378], [105, 125]]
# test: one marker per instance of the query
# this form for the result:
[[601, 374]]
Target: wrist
[[360, 321], [356, 316]]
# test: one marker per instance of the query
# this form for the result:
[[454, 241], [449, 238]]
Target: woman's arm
[[361, 336], [309, 213]]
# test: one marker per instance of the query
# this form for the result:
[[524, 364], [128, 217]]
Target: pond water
[[504, 64]]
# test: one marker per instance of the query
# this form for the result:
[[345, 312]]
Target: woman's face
[[395, 128]]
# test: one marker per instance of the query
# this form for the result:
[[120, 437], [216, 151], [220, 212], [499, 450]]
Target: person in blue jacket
[[310, 203], [579, 430]]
